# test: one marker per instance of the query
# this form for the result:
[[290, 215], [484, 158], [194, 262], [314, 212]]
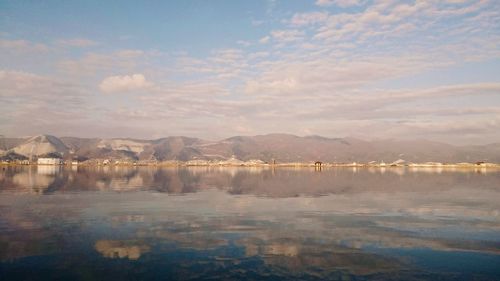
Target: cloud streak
[[125, 83]]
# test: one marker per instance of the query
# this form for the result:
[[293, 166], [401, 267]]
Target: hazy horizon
[[381, 69]]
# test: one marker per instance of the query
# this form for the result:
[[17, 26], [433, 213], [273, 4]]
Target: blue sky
[[371, 69]]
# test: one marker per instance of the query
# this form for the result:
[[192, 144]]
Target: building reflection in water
[[48, 170], [121, 249]]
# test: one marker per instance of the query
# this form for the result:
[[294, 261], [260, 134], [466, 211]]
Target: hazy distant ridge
[[281, 147]]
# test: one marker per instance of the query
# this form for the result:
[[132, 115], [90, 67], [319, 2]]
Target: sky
[[371, 69]]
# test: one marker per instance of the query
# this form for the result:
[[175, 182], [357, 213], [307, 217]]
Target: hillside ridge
[[277, 147]]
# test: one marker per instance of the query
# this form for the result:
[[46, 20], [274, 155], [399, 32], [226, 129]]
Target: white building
[[50, 161]]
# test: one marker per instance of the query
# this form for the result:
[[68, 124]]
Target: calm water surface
[[248, 224]]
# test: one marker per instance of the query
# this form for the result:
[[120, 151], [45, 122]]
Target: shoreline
[[280, 165]]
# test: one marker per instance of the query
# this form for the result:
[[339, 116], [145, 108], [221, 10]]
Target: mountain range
[[280, 147]]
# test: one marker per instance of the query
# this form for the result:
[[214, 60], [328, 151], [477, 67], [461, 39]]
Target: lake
[[146, 223]]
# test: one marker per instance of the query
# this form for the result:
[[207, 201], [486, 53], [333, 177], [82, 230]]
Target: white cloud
[[33, 87], [340, 3], [384, 18], [129, 53], [222, 64], [124, 83], [257, 22], [287, 35], [301, 19], [23, 46], [95, 64], [227, 56], [243, 43], [319, 75], [264, 40], [53, 100]]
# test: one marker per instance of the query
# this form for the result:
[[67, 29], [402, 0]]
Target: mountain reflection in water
[[248, 224]]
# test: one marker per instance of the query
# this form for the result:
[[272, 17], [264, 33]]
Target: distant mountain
[[280, 147], [290, 148], [174, 148], [171, 148], [41, 145]]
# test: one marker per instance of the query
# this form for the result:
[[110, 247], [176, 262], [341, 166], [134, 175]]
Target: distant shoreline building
[[50, 161]]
